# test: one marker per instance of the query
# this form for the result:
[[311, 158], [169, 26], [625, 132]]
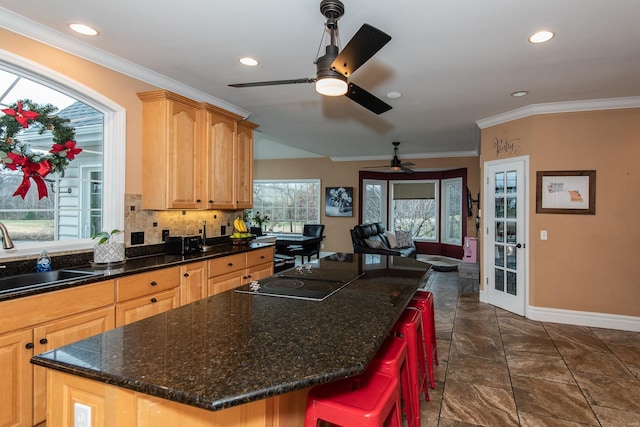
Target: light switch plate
[[543, 234], [81, 415]]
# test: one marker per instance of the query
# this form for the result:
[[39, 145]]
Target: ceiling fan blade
[[274, 83], [407, 170], [364, 44], [368, 101], [376, 167], [407, 164]]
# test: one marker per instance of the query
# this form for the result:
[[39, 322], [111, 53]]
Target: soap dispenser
[[44, 262]]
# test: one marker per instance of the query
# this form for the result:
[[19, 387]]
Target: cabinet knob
[[186, 274], [198, 200], [261, 256], [154, 300], [210, 201], [43, 341], [249, 276], [28, 345], [230, 264], [153, 283]]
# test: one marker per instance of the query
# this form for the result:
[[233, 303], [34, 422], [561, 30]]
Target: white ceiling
[[455, 62]]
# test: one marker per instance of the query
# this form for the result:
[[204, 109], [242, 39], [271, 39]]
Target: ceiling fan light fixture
[[331, 86]]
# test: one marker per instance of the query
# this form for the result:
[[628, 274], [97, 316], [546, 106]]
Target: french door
[[506, 224]]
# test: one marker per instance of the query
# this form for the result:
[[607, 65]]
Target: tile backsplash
[[177, 222]]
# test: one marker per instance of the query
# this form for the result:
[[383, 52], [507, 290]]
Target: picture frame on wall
[[566, 192], [338, 201]]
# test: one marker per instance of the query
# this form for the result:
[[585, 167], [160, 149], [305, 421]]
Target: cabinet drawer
[[141, 308], [143, 284], [30, 311], [226, 264], [260, 256], [223, 283]]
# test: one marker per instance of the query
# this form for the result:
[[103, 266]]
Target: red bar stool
[[391, 359], [409, 327], [423, 301], [365, 400]]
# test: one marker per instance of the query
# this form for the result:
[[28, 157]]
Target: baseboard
[[584, 318]]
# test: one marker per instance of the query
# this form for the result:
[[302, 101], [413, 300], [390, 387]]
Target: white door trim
[[486, 265]]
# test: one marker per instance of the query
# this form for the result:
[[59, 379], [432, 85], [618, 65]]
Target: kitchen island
[[234, 358]]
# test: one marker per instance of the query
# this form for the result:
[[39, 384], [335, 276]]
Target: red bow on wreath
[[30, 170]]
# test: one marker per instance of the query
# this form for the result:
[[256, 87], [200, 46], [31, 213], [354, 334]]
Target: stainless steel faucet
[[6, 240]]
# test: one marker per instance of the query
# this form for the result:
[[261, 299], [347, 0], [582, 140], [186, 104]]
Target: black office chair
[[312, 230]]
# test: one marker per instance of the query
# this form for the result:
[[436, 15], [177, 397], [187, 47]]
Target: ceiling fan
[[334, 67], [395, 163]]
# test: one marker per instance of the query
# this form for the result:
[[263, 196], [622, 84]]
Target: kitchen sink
[[31, 280]]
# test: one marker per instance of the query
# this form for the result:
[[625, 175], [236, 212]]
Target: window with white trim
[[89, 196], [289, 204]]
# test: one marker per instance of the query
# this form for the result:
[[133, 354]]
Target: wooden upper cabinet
[[244, 161], [194, 155], [219, 129], [170, 151]]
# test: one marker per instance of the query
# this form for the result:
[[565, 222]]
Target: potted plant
[[106, 250]]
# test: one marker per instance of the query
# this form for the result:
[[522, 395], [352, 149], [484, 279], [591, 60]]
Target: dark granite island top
[[235, 348]]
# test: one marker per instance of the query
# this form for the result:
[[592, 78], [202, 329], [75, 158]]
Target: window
[[429, 205], [414, 208], [375, 201], [289, 204], [74, 207], [452, 211]]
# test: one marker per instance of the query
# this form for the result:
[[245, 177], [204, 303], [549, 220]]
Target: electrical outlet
[[165, 234], [137, 237], [81, 415]]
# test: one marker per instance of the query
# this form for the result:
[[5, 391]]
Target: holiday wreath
[[35, 165]]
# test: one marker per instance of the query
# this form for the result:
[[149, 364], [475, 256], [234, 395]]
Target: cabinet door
[[141, 308], [59, 333], [183, 173], [16, 384], [224, 282], [193, 282], [219, 140], [244, 165]]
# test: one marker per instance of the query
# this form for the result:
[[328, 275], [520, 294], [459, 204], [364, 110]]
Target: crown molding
[[560, 107], [31, 29]]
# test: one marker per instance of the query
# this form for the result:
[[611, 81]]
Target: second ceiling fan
[[395, 164], [335, 67]]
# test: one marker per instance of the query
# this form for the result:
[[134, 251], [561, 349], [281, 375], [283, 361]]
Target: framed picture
[[566, 192], [338, 201]]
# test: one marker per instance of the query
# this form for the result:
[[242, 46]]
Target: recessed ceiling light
[[394, 95], [519, 93], [541, 36], [83, 29], [250, 62]]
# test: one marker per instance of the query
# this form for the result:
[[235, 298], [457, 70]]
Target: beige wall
[[589, 262], [345, 174]]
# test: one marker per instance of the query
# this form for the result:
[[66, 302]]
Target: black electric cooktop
[[302, 283]]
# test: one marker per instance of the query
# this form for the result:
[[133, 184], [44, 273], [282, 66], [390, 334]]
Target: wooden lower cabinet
[[239, 270], [16, 373], [114, 406], [35, 324], [146, 294], [193, 282]]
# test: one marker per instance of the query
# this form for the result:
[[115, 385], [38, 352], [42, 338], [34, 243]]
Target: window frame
[[437, 183], [444, 222], [315, 181], [114, 143]]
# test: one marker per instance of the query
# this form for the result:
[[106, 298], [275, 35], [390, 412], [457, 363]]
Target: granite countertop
[[131, 266], [234, 348]]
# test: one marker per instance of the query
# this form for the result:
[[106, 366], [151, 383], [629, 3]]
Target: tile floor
[[498, 369]]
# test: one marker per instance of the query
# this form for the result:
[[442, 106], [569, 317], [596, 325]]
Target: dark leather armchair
[[375, 233], [309, 250]]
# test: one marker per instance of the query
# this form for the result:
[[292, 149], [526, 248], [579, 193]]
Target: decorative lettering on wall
[[509, 146]]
